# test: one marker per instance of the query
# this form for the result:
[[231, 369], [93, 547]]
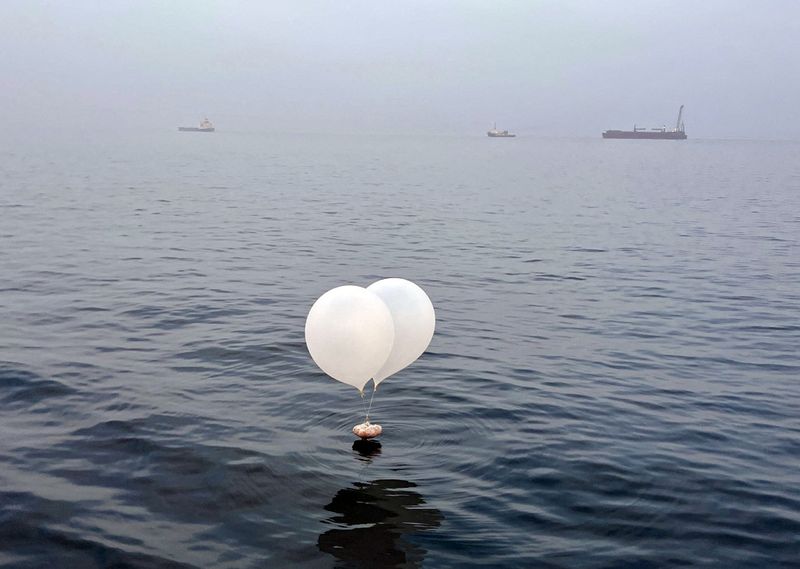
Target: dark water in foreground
[[614, 381]]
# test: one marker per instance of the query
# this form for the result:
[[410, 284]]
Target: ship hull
[[645, 135], [194, 129], [490, 135]]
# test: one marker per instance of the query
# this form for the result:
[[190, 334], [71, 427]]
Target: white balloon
[[414, 323], [349, 334]]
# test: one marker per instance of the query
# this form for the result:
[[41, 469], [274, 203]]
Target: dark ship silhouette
[[677, 133]]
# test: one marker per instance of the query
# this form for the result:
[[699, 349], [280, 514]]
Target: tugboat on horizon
[[494, 133]]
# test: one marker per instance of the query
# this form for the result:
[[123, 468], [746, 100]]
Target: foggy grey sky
[[452, 66]]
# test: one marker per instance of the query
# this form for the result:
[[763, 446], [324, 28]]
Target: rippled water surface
[[614, 380]]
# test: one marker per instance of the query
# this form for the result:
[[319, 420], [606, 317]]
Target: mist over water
[[612, 383], [538, 67]]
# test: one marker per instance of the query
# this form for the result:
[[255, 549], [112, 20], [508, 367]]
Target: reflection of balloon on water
[[372, 521], [356, 334], [349, 334]]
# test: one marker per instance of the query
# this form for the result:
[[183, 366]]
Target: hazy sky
[[538, 67]]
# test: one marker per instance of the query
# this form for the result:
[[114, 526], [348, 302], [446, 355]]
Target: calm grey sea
[[614, 381]]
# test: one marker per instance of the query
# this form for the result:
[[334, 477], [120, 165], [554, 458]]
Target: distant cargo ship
[[205, 126], [494, 133], [677, 133]]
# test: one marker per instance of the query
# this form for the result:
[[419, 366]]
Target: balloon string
[[364, 404], [374, 389]]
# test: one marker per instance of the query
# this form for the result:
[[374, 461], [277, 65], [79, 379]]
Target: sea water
[[614, 379]]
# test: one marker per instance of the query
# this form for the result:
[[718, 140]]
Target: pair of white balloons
[[355, 334]]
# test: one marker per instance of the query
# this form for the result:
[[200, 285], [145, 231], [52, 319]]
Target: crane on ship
[[678, 123]]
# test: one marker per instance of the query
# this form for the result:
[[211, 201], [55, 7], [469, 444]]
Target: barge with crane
[[677, 133]]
